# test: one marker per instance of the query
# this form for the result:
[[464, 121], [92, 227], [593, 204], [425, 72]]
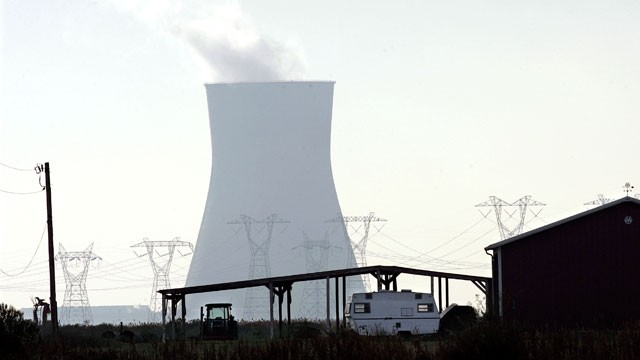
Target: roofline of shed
[[560, 222], [290, 279]]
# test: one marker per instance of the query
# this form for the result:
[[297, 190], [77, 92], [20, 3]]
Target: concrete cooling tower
[[271, 195]]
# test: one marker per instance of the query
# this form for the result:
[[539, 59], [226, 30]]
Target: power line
[[438, 261], [425, 253], [112, 272], [455, 237], [478, 238], [468, 243], [420, 254], [14, 168], [32, 257], [21, 193], [432, 261], [36, 269]]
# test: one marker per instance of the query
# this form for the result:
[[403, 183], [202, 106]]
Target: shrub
[[487, 339], [16, 333]]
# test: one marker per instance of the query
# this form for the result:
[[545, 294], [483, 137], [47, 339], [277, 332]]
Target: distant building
[[127, 314], [580, 271]]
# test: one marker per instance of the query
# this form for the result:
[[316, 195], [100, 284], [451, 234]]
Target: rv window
[[418, 296], [368, 296], [361, 308], [425, 307]]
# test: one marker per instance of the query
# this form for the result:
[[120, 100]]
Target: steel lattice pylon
[[601, 200], [161, 265], [75, 265], [257, 299], [316, 255], [358, 226], [499, 207]]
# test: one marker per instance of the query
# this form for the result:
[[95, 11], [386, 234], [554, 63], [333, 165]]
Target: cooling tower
[[271, 194]]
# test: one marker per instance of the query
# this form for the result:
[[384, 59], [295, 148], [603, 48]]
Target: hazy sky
[[437, 106]]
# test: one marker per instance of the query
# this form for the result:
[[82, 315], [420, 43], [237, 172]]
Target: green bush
[[16, 333]]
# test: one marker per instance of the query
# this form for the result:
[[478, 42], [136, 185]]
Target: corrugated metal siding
[[584, 272]]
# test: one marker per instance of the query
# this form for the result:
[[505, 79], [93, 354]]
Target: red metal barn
[[580, 271]]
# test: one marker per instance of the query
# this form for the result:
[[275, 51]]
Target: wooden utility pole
[[52, 266]]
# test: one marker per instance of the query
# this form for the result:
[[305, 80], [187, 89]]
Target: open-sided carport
[[386, 277]]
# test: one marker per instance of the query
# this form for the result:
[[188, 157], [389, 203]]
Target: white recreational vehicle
[[392, 313]]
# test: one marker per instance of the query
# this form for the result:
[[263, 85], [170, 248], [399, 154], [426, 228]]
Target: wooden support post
[[337, 305], [271, 326], [446, 291], [344, 297], [184, 316], [489, 305], [201, 337], [328, 288], [173, 318], [431, 285], [164, 318], [280, 311], [439, 294], [289, 309]]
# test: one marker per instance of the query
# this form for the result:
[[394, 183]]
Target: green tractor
[[217, 323]]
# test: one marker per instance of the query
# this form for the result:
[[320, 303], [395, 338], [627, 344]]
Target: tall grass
[[488, 339], [491, 339]]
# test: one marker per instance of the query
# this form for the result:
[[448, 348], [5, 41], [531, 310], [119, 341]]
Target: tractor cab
[[217, 323]]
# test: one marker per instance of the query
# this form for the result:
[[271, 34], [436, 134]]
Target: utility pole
[[52, 267]]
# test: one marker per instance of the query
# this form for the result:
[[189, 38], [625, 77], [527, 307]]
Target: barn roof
[[563, 221]]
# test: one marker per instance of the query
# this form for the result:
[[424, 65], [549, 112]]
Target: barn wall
[[583, 272]]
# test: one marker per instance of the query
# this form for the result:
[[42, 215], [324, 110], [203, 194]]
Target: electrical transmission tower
[[316, 254], [501, 208], [161, 265], [75, 265], [358, 227], [256, 301], [601, 200]]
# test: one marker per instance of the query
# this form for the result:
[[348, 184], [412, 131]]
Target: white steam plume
[[223, 36]]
